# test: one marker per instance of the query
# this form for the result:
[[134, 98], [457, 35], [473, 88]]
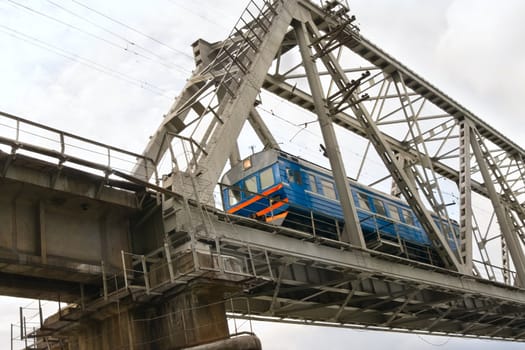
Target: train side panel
[[304, 197]]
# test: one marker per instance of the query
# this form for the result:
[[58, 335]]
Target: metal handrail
[[63, 154]]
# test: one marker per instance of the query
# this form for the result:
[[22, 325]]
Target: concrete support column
[[112, 329], [195, 316]]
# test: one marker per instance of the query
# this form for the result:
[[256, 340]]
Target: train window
[[250, 185], [456, 231], [448, 231], [234, 195], [313, 184], [328, 189], [294, 176], [266, 177], [392, 210], [380, 207], [363, 201], [407, 216], [298, 177]]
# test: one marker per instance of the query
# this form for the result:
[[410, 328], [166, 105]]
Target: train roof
[[258, 161], [265, 158], [320, 169]]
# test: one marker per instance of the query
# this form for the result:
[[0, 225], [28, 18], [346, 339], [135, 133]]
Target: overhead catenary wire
[[116, 35], [153, 57], [89, 8], [82, 60], [301, 127]]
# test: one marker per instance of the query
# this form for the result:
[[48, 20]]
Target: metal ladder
[[235, 57]]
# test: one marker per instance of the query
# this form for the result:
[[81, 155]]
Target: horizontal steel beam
[[282, 89], [366, 49], [361, 261]]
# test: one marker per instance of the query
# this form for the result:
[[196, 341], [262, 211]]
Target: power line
[[84, 61], [301, 128], [131, 28], [272, 113], [129, 42], [97, 37]]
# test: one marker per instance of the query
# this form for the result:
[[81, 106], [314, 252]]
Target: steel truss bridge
[[313, 58]]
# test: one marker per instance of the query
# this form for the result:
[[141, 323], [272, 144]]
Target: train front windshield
[[250, 186]]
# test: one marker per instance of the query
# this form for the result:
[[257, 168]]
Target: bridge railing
[[381, 233], [22, 136], [493, 272]]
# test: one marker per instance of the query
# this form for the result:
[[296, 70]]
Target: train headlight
[[247, 163]]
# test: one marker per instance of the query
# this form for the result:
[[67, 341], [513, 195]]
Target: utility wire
[[131, 28], [79, 59], [97, 37], [116, 35], [272, 113]]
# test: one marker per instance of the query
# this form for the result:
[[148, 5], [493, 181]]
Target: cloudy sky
[[66, 66]]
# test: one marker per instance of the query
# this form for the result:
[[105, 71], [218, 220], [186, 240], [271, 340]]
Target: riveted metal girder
[[408, 117], [352, 101], [227, 91], [352, 224]]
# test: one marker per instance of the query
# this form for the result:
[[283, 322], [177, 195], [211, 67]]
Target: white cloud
[[470, 49], [483, 56]]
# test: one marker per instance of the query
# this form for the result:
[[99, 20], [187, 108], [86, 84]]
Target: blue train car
[[284, 190]]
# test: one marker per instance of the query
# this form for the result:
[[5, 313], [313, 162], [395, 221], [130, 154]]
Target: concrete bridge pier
[[195, 316], [191, 317]]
